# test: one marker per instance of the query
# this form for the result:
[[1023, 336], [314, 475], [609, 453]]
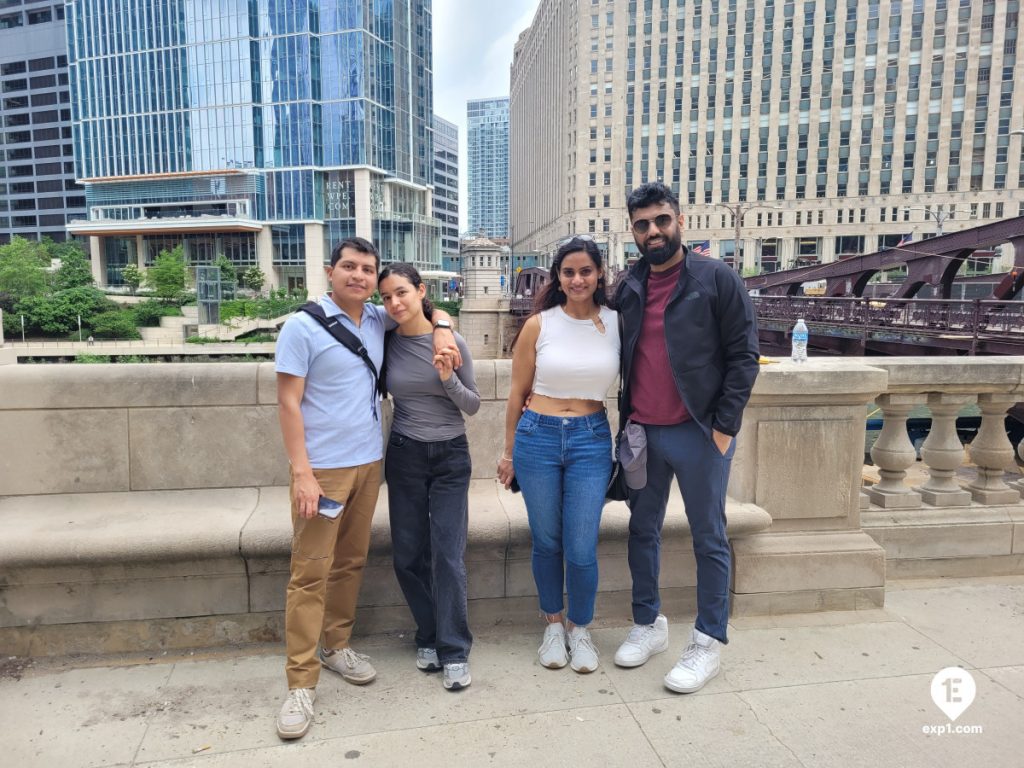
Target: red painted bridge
[[846, 322]]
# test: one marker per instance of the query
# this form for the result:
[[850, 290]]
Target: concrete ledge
[[927, 542], [772, 572], [203, 556]]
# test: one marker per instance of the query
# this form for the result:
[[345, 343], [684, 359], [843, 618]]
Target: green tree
[[167, 275], [228, 273], [254, 278], [132, 277], [23, 274], [74, 271]]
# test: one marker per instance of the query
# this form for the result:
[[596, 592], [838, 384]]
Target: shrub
[[148, 313], [58, 313], [202, 340], [115, 324], [255, 338]]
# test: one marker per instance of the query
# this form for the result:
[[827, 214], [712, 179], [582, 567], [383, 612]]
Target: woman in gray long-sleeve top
[[427, 470]]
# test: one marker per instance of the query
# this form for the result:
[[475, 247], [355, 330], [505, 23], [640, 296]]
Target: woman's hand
[[444, 362], [505, 471]]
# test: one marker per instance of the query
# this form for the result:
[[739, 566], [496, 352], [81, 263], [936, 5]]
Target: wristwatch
[[442, 324]]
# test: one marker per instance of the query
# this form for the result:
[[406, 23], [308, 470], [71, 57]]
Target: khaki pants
[[327, 569]]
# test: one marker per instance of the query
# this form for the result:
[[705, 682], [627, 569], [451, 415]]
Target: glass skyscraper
[[446, 189], [487, 144], [263, 130], [38, 193]]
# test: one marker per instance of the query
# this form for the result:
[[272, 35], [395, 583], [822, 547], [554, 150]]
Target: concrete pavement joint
[[985, 671], [767, 727], [149, 717], [297, 745]]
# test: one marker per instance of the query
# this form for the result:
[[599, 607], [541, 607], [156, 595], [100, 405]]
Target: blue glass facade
[[487, 143], [256, 104]]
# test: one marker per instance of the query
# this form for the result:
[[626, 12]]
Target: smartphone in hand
[[330, 508]]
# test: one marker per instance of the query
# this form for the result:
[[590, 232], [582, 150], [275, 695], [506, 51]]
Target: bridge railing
[[925, 316]]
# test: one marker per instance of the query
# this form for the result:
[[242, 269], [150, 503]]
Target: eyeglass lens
[[661, 222]]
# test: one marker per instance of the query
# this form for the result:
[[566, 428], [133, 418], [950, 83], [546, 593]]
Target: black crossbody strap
[[346, 338]]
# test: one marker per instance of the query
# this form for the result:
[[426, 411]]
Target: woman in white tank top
[[560, 449]]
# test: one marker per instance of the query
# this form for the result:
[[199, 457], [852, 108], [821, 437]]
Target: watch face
[[442, 324]]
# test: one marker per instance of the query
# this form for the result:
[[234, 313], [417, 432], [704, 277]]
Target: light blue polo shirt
[[339, 398]]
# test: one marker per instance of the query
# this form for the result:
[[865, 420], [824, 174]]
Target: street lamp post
[[941, 214], [737, 210]]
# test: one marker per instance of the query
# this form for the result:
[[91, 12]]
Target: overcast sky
[[473, 44]]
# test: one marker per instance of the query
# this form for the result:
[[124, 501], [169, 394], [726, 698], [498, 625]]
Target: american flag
[[904, 240], [702, 249]]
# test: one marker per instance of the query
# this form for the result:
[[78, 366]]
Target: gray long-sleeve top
[[426, 408]]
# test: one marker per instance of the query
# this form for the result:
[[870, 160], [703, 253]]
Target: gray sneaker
[[552, 649], [296, 713], [426, 659], [583, 657], [457, 676], [353, 667]]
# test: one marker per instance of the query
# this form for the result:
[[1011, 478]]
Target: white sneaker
[[643, 641], [552, 649], [426, 659], [354, 667], [698, 664], [582, 652], [296, 713], [456, 676]]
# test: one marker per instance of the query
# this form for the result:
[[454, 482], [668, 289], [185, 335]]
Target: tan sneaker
[[296, 713], [353, 667]]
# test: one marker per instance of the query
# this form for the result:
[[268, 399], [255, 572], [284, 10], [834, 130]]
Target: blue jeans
[[563, 466], [428, 487], [684, 451]]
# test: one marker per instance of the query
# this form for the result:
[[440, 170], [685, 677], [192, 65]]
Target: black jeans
[[428, 489]]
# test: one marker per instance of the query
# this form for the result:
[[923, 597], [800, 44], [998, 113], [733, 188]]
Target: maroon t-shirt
[[653, 392]]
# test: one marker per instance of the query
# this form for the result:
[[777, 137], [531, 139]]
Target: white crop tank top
[[575, 359]]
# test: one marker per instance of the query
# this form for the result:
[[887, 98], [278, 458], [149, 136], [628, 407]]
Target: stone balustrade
[[945, 526], [138, 495]]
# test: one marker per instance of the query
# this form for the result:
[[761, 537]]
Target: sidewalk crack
[[767, 726]]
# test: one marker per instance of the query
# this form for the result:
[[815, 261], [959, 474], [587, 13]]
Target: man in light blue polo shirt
[[330, 421]]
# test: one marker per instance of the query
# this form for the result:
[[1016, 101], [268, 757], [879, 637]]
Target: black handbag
[[617, 489]]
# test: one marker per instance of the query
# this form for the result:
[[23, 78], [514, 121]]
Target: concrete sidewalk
[[828, 689]]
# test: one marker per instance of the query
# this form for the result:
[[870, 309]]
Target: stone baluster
[[893, 453], [992, 452], [944, 453]]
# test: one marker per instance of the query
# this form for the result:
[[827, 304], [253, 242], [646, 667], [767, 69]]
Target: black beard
[[663, 253]]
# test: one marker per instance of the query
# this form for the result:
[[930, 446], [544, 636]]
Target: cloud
[[473, 44]]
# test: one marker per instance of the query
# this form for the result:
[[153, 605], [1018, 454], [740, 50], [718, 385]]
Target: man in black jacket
[[690, 357]]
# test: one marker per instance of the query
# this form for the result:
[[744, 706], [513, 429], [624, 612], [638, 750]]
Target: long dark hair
[[552, 295], [410, 273]]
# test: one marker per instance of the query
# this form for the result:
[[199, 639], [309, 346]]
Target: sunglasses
[[662, 221]]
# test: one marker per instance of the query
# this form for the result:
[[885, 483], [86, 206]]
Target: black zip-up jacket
[[710, 334]]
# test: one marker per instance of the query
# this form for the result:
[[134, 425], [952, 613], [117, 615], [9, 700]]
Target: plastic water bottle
[[799, 353]]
